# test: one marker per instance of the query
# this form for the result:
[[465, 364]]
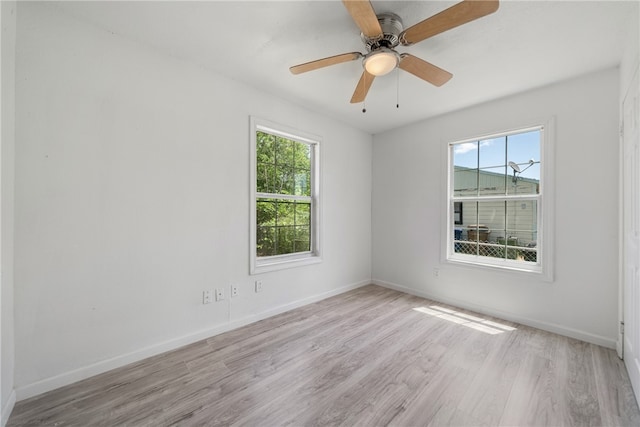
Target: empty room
[[265, 213]]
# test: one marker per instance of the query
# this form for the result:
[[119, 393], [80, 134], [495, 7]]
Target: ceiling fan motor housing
[[391, 28]]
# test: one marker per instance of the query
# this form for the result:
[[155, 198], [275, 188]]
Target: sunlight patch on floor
[[473, 322]]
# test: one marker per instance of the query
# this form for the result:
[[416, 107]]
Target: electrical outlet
[[436, 272], [207, 297], [219, 294], [234, 291], [258, 285]]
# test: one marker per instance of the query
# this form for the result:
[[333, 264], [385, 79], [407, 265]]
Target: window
[[495, 201], [285, 197]]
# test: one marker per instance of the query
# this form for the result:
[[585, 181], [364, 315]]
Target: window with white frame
[[495, 201], [285, 197]]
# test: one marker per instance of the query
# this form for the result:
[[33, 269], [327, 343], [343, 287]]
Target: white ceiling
[[525, 44]]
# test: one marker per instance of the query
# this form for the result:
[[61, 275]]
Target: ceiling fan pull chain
[[397, 87], [364, 101]]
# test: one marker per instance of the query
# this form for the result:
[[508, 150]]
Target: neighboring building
[[520, 225]]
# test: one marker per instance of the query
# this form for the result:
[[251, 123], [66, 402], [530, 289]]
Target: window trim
[[257, 264], [545, 207]]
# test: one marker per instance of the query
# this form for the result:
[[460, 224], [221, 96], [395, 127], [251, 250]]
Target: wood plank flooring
[[368, 357]]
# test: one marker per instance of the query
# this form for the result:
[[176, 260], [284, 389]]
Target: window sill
[[532, 270], [265, 265]]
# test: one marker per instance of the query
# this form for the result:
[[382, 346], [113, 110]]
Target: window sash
[[277, 197], [506, 227]]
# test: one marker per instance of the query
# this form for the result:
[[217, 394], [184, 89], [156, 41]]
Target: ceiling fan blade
[[364, 16], [325, 62], [424, 70], [456, 15], [363, 87]]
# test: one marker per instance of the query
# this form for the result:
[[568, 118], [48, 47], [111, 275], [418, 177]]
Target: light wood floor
[[369, 357]]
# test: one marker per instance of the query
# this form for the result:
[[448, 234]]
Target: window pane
[[265, 241], [265, 150], [303, 156], [286, 182], [284, 152], [508, 246], [458, 212], [266, 212], [492, 152], [283, 166], [285, 236], [522, 222], [523, 147], [531, 174], [523, 153], [460, 235], [286, 212], [265, 158], [490, 222], [283, 226], [491, 216], [303, 213], [465, 172], [469, 216], [466, 155], [465, 182], [303, 238], [526, 182], [302, 180], [266, 178], [492, 181]]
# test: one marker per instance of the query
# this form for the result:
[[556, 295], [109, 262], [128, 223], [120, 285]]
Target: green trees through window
[[284, 195]]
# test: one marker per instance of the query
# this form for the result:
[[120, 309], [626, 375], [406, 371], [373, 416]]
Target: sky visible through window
[[496, 153]]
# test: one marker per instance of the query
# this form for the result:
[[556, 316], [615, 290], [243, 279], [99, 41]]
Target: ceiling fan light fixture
[[381, 62]]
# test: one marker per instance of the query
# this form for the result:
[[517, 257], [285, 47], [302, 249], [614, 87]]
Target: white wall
[[8, 40], [409, 181], [132, 197], [631, 56]]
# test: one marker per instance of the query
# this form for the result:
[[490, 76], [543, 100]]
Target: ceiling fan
[[382, 33]]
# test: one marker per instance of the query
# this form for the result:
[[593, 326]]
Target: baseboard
[[61, 380], [619, 349], [545, 326], [8, 408]]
